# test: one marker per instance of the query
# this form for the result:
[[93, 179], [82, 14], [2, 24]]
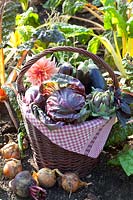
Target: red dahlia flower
[[40, 71]]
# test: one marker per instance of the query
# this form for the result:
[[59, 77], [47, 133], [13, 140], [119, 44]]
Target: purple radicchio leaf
[[44, 118], [64, 105], [70, 82]]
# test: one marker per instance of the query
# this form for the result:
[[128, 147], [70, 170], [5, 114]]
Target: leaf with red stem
[[37, 192]]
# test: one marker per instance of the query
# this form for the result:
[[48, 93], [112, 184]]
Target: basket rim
[[98, 60]]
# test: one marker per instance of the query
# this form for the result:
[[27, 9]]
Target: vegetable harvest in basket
[[57, 97]]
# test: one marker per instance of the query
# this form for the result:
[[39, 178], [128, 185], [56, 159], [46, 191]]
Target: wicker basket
[[46, 151]]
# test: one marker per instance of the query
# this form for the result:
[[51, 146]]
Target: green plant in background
[[124, 158], [8, 20], [9, 10], [2, 68], [68, 6], [127, 62], [118, 37], [118, 137], [116, 24], [28, 37], [24, 4], [79, 33], [52, 4]]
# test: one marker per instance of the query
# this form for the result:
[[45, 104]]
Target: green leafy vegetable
[[72, 6], [93, 45], [25, 32], [71, 31], [96, 2], [8, 19], [119, 134], [52, 4], [68, 6], [28, 18], [125, 159], [112, 16], [49, 36], [127, 62], [24, 4]]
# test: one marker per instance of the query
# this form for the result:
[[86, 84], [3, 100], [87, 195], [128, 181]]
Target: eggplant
[[82, 73], [87, 83], [80, 76], [90, 76], [84, 79], [96, 78], [66, 68]]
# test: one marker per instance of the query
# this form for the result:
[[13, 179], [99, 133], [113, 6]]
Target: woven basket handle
[[99, 61]]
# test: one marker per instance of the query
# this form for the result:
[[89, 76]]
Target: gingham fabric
[[87, 138]]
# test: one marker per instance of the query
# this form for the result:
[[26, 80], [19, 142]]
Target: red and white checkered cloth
[[87, 138]]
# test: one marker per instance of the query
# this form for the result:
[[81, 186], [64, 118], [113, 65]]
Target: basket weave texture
[[71, 147]]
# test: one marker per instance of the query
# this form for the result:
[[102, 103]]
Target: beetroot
[[21, 183]]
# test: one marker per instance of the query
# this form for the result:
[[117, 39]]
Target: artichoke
[[101, 103]]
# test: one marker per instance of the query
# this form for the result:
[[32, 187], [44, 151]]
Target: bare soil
[[108, 183]]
